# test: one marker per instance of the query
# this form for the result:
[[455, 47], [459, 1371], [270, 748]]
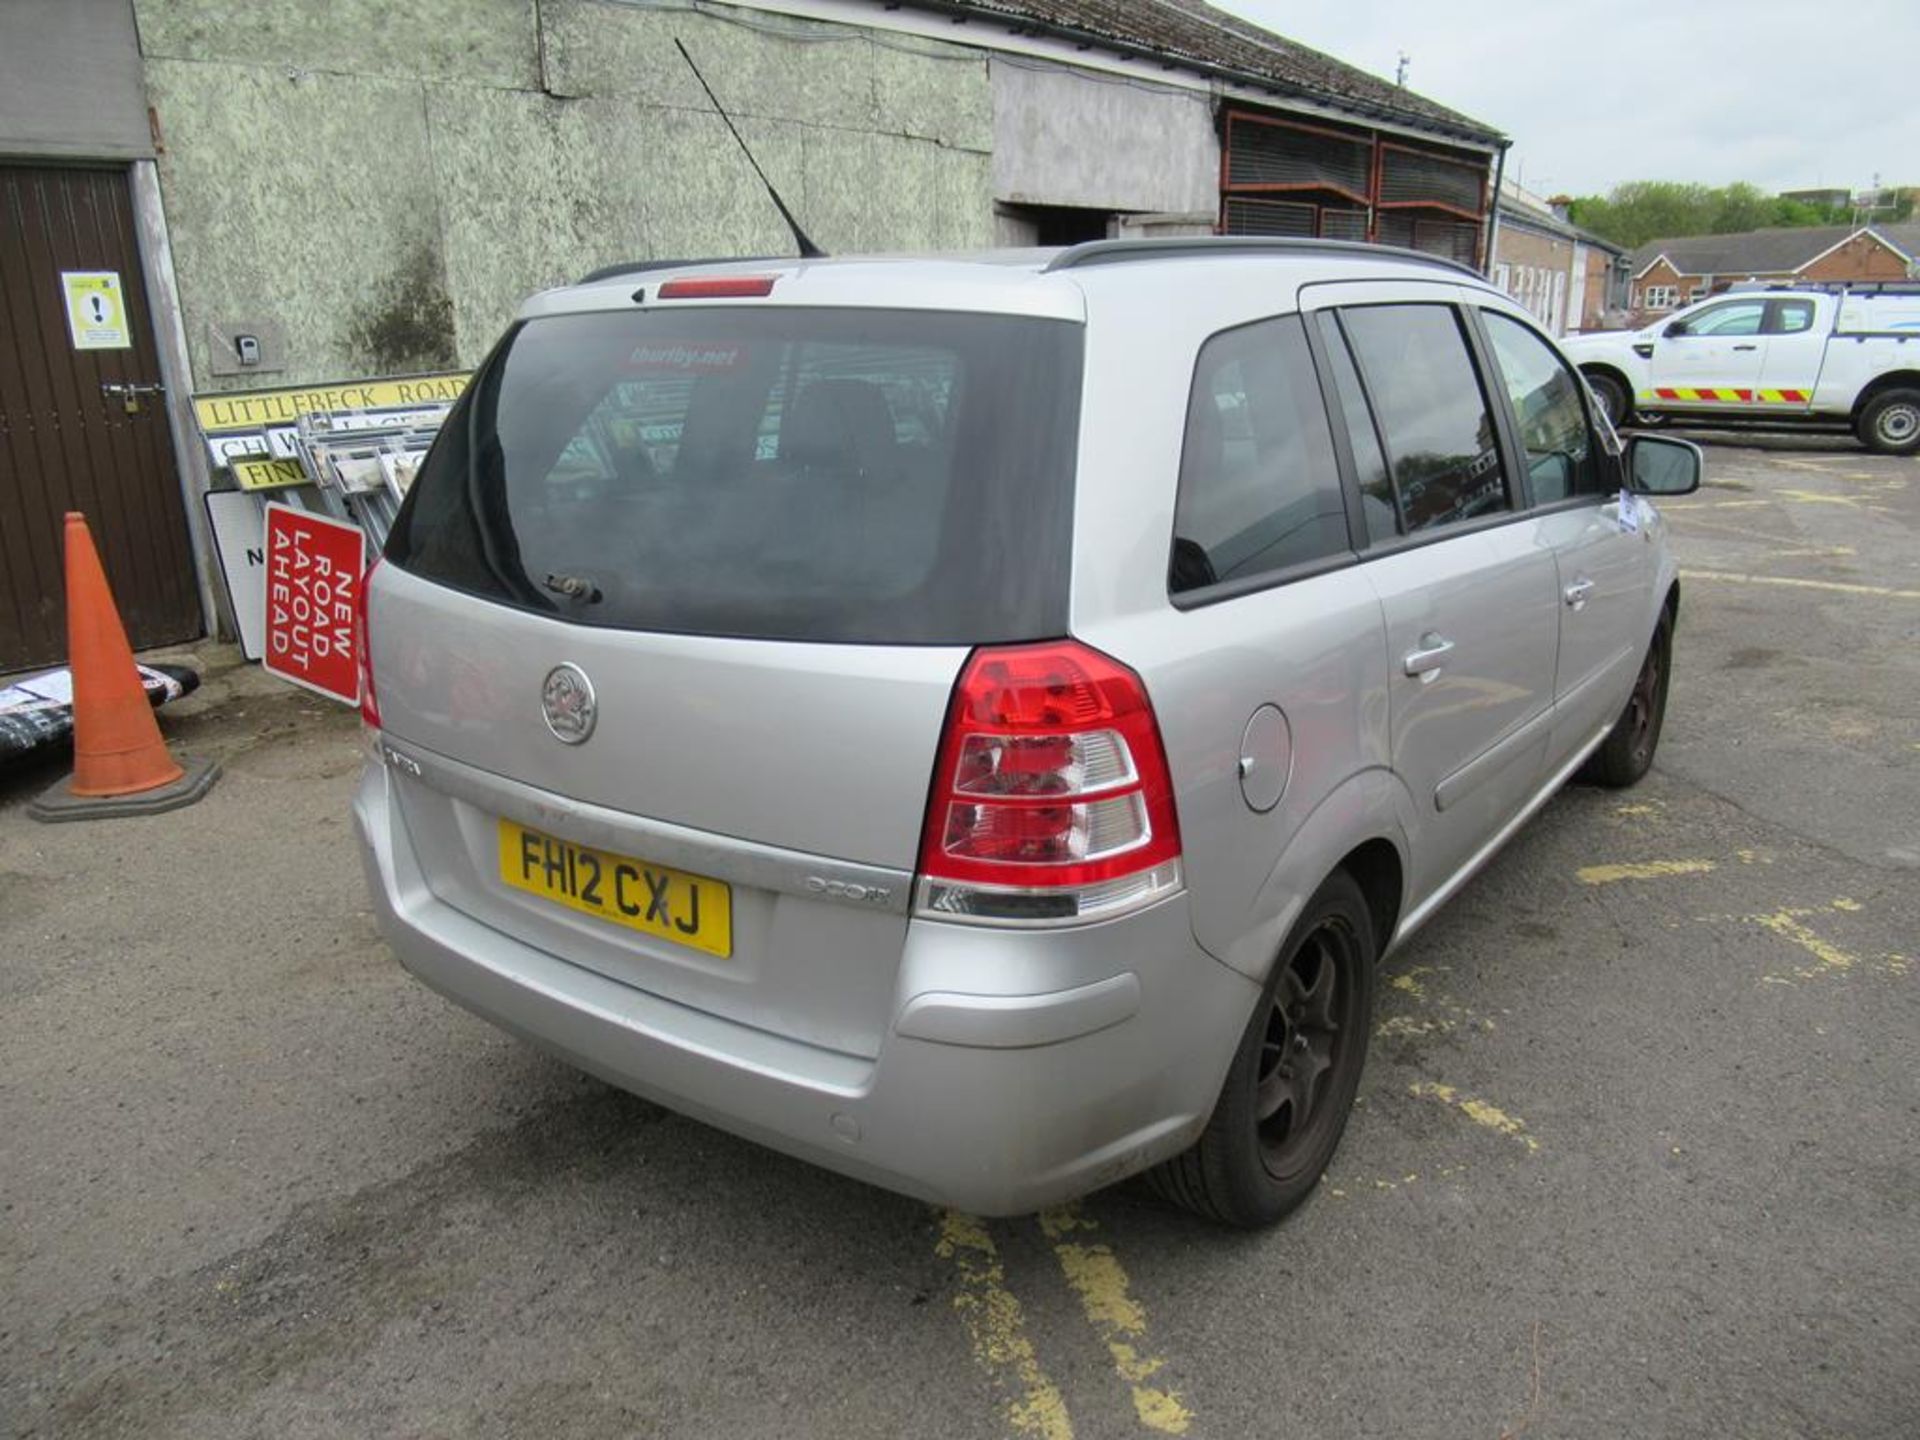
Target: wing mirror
[[1662, 465], [1675, 330]]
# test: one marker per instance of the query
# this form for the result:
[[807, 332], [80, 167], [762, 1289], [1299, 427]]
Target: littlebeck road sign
[[314, 570]]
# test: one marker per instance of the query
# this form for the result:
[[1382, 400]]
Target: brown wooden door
[[65, 444]]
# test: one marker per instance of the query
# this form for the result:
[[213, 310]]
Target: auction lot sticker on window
[[314, 570]]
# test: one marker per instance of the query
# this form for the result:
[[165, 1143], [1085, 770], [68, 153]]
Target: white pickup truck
[[1795, 354]]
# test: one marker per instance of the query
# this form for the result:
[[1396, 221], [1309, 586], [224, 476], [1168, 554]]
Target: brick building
[[1668, 274], [1570, 278]]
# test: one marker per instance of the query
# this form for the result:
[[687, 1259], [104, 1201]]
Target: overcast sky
[[1785, 93]]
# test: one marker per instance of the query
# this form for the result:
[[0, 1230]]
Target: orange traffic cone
[[120, 764]]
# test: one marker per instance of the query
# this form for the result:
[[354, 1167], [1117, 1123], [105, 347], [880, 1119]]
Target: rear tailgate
[[672, 620], [793, 776]]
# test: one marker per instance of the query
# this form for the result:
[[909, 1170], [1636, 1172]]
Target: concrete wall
[[389, 183], [1067, 138], [70, 81]]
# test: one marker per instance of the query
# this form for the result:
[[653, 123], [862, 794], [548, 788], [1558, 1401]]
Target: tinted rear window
[[830, 475]]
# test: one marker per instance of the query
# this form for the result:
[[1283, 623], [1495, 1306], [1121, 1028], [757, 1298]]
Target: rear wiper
[[574, 587]]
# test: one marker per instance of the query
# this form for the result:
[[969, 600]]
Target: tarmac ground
[[1637, 1150]]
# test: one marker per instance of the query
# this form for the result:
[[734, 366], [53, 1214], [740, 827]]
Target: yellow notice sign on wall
[[96, 311], [267, 474]]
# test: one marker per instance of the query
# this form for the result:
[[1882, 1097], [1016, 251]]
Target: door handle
[[1426, 661], [1578, 592], [1746, 347]]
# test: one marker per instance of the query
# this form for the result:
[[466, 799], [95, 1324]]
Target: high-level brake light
[[717, 287]]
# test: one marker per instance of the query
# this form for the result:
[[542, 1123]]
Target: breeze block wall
[[388, 184]]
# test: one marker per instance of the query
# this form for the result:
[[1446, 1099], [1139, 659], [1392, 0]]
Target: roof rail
[[641, 267], [1827, 287], [1109, 252]]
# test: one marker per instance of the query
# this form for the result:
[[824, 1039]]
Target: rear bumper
[[984, 1095]]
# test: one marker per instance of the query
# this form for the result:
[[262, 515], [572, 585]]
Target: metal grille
[[1455, 239], [1409, 178], [1260, 154], [1343, 224], [1248, 216]]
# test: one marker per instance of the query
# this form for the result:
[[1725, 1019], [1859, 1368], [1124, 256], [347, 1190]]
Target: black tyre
[[1290, 1088], [1612, 397], [1889, 423], [1627, 752]]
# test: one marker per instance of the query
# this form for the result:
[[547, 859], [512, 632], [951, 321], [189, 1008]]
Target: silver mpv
[[978, 723]]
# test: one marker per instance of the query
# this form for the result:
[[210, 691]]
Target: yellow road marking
[[1644, 870], [1411, 983], [1814, 497], [1789, 926], [1406, 1027], [1744, 533], [997, 1328], [1645, 807], [1096, 1276], [1838, 586], [1478, 1111]]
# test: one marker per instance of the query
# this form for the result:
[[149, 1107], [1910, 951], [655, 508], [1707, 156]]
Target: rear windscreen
[[832, 475]]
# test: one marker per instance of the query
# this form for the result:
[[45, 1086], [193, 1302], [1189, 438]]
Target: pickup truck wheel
[[1890, 423], [1627, 752], [1612, 398], [1290, 1088]]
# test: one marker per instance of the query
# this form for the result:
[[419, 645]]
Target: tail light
[[362, 645], [1051, 800]]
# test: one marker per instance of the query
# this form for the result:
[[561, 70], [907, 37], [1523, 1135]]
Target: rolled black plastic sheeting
[[36, 712]]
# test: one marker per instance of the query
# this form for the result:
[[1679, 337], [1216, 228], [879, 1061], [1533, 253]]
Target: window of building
[[1259, 487], [1547, 407], [1433, 416], [1659, 297]]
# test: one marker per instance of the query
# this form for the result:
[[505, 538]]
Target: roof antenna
[[808, 250]]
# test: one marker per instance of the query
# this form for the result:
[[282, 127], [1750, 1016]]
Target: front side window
[[1741, 317], [1547, 407], [1259, 487], [1433, 417]]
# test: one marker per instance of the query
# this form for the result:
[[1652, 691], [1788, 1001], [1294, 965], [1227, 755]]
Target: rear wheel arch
[[1886, 418], [1376, 868], [1880, 384]]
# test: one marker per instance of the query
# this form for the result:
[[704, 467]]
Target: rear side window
[[1789, 317], [1433, 417], [899, 477], [1549, 411], [1369, 461], [1259, 488]]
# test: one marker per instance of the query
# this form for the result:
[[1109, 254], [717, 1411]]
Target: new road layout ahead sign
[[314, 569]]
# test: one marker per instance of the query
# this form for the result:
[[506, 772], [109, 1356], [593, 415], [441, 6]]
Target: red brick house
[[1668, 274]]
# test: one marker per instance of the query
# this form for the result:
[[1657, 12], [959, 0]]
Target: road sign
[[314, 569], [96, 312]]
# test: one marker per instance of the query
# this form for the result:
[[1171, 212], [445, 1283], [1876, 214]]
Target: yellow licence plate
[[686, 909]]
